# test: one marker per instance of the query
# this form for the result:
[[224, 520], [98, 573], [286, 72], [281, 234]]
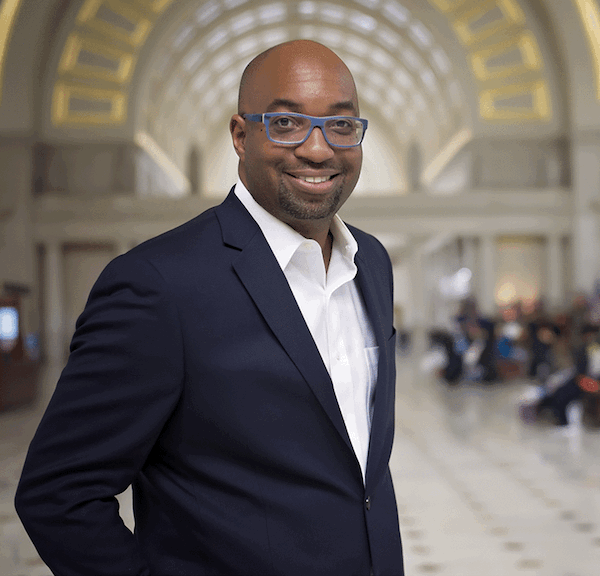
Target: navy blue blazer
[[194, 378]]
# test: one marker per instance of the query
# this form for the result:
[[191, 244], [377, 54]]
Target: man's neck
[[322, 235]]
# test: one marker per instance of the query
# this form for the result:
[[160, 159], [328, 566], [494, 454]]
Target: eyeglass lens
[[339, 131]]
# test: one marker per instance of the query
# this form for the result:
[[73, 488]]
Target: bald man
[[238, 371]]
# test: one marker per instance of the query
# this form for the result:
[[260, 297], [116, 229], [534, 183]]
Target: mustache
[[315, 166]]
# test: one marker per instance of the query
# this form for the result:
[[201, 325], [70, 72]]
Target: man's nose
[[315, 148]]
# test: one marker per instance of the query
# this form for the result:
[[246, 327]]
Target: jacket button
[[368, 503]]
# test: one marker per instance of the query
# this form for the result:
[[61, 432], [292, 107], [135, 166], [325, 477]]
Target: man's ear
[[237, 127]]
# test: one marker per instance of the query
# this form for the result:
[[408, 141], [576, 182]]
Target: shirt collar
[[284, 240]]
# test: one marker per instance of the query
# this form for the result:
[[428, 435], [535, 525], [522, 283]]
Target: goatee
[[301, 209]]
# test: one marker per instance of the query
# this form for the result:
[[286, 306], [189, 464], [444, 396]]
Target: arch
[[102, 81], [9, 10]]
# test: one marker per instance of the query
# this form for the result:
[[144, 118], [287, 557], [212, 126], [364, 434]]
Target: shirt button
[[368, 503]]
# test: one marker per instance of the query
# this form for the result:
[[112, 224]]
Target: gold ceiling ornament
[[524, 101], [84, 57], [115, 20], [156, 6], [513, 56], [76, 104], [486, 19], [448, 5], [98, 61], [505, 59]]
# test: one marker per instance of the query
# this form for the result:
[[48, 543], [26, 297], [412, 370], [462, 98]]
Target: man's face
[[277, 175]]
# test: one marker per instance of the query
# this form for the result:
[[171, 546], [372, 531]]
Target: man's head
[[307, 78]]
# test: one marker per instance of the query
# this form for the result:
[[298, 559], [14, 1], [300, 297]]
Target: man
[[238, 371]]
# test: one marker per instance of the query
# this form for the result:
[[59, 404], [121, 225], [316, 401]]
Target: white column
[[55, 344], [586, 233], [555, 287], [417, 311], [469, 253], [487, 275], [469, 260], [432, 268]]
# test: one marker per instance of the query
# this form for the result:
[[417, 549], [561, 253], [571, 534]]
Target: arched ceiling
[[400, 69], [398, 51], [440, 69]]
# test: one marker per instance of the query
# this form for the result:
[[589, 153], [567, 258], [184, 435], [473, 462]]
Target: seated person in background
[[480, 358], [588, 364], [560, 386], [587, 354], [452, 369], [512, 357], [537, 348], [542, 356]]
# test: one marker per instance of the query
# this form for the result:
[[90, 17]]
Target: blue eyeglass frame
[[315, 121]]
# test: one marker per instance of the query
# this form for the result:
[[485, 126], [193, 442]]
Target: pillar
[[555, 286], [469, 261], [585, 230], [487, 275], [55, 345], [418, 309]]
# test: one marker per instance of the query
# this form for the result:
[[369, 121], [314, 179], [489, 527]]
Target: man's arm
[[120, 385]]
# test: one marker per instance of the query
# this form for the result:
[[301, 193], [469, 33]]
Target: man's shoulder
[[167, 255], [198, 229], [200, 234], [195, 244]]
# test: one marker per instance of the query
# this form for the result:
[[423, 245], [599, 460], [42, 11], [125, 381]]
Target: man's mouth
[[314, 179]]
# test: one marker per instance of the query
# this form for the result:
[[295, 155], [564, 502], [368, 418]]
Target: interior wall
[[17, 251], [520, 270], [520, 163], [383, 170], [82, 263], [220, 171], [456, 177]]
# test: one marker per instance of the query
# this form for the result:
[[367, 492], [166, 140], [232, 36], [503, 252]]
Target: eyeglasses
[[292, 128]]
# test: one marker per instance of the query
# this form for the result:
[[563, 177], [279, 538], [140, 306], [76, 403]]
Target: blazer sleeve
[[122, 381]]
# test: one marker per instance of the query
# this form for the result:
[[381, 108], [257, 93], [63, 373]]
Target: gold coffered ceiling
[[401, 67]]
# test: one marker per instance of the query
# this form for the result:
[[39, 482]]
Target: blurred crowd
[[559, 352]]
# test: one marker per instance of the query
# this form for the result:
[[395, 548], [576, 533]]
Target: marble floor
[[479, 492]]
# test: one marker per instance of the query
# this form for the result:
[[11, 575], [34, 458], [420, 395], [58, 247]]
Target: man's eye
[[342, 125], [283, 123]]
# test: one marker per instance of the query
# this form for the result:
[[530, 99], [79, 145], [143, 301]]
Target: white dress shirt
[[334, 312]]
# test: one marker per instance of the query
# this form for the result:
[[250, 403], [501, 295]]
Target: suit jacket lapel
[[259, 272], [384, 391]]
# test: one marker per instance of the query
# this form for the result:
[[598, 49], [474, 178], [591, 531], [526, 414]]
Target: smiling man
[[238, 371], [302, 183]]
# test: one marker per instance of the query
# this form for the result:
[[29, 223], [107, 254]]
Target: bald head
[[268, 66]]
